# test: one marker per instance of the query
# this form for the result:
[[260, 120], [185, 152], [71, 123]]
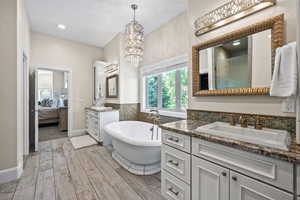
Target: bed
[[48, 115]]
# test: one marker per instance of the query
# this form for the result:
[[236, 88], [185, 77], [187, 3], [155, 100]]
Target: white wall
[[255, 104], [55, 52]]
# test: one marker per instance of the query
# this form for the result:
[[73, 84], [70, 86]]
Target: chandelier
[[134, 40]]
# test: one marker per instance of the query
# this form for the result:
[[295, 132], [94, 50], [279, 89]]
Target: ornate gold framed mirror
[[238, 63]]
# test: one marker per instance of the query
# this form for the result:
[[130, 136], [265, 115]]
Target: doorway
[[51, 118]]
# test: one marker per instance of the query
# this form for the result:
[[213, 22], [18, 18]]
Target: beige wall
[[259, 105], [14, 31], [169, 40], [8, 84], [112, 55], [128, 74], [52, 52]]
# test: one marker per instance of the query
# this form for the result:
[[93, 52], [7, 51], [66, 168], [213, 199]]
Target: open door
[[36, 112], [32, 111]]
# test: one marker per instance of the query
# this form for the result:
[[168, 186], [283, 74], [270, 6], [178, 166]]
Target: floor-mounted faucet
[[155, 117]]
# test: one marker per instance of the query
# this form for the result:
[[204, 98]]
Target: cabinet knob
[[234, 178], [224, 174]]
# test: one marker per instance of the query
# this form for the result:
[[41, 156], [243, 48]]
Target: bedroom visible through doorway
[[52, 102]]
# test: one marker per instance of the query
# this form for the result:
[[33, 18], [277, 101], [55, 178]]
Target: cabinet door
[[245, 188], [209, 181]]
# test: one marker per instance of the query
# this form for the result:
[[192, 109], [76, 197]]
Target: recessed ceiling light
[[236, 43], [61, 26]]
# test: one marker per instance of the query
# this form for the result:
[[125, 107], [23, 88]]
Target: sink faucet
[[259, 123], [232, 121], [243, 121]]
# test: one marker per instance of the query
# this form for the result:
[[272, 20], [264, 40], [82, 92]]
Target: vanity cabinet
[[96, 120], [242, 187], [209, 181], [211, 171]]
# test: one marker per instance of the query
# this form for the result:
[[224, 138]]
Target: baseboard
[[77, 132], [10, 174]]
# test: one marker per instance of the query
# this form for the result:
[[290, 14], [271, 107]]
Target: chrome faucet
[[155, 117]]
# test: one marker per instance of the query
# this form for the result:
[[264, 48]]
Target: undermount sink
[[101, 108], [278, 139]]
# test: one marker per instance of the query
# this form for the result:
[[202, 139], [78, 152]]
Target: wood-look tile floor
[[51, 132], [58, 172]]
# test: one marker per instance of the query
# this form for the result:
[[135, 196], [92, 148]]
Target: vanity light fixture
[[134, 40], [61, 26], [229, 12]]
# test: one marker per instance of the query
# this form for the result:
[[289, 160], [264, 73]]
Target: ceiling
[[96, 22]]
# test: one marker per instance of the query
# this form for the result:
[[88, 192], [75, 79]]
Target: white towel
[[285, 76]]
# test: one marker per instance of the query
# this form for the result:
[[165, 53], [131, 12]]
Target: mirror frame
[[107, 86], [276, 24]]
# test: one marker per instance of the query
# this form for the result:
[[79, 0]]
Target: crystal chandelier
[[134, 40]]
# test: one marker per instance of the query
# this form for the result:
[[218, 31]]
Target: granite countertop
[[104, 110], [187, 127]]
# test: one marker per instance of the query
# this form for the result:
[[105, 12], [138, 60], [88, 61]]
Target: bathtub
[[134, 147]]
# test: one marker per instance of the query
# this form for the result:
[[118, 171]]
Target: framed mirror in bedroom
[[112, 85], [238, 63]]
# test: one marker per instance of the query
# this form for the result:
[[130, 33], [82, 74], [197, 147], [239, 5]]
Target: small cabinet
[[95, 122], [209, 181], [244, 188]]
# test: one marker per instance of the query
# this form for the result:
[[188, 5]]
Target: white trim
[[181, 115], [10, 174], [165, 63], [70, 104], [77, 132], [26, 111]]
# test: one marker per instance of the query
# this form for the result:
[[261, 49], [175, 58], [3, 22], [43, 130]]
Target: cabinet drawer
[[173, 188], [181, 142], [242, 187], [176, 162], [272, 171]]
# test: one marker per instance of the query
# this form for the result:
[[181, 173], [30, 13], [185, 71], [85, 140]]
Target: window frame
[[178, 89], [51, 89]]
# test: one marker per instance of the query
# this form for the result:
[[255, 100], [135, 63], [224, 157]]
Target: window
[[167, 90], [45, 84]]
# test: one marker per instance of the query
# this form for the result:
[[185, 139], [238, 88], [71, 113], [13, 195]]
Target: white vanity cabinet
[[96, 120], [218, 172], [242, 187], [209, 181]]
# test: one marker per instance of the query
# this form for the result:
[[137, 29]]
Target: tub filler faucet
[[155, 117]]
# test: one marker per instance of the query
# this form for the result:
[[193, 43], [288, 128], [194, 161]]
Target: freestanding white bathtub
[[135, 148]]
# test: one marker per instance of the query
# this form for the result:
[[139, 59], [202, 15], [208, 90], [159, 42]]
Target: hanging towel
[[285, 76]]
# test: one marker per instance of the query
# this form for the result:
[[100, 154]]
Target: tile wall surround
[[274, 122], [145, 117], [129, 112]]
